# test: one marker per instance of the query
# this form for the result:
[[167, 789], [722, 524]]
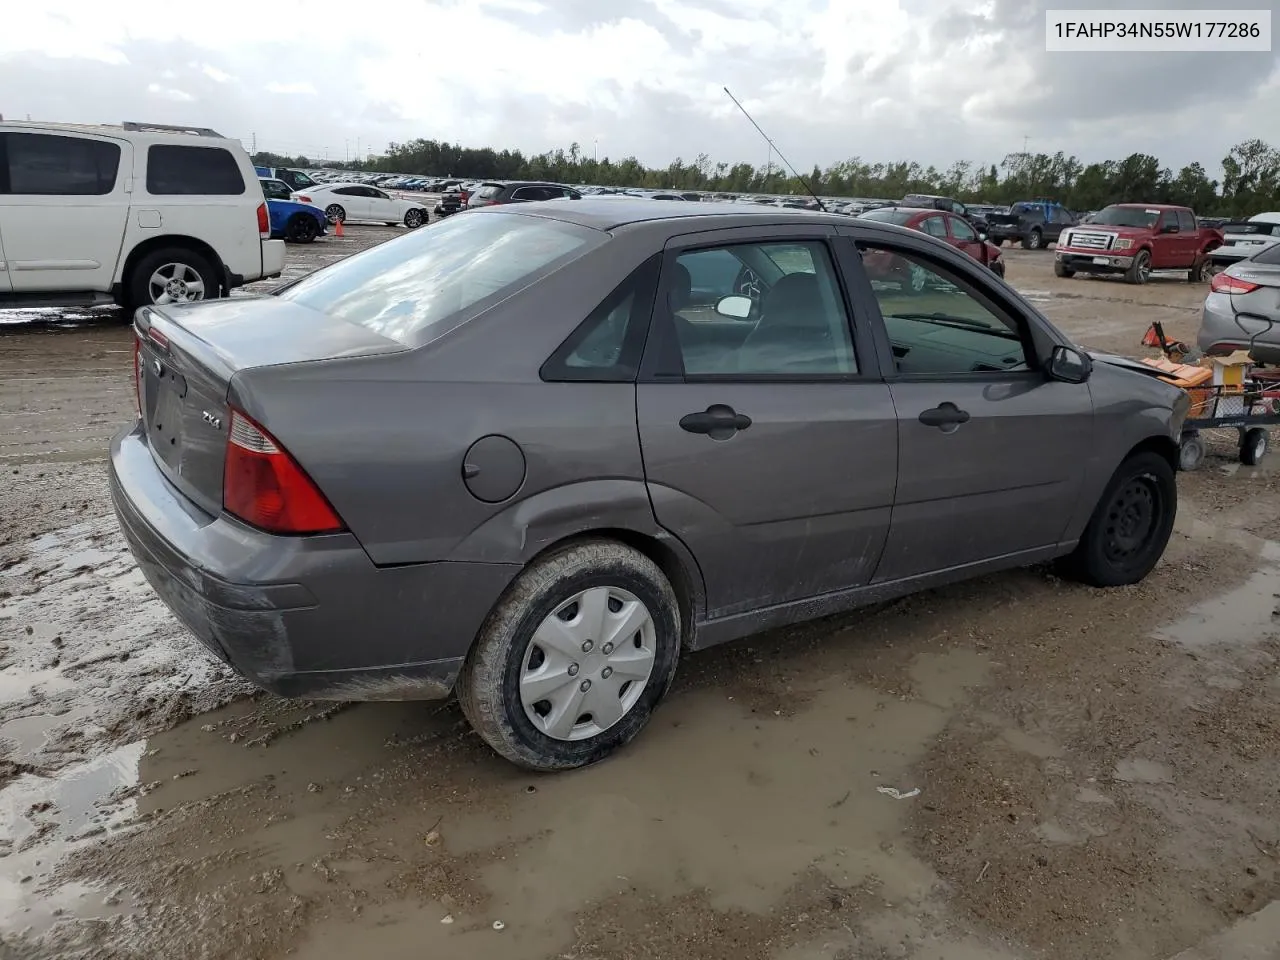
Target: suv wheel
[[573, 660], [172, 275], [1130, 527]]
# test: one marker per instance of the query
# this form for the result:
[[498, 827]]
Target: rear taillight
[[1224, 283], [302, 198], [263, 486], [137, 371], [264, 222]]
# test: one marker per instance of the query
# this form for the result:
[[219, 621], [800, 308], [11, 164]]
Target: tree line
[[1250, 179]]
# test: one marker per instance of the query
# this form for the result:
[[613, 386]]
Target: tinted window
[[348, 191], [935, 324], [1186, 222], [488, 190], [798, 325], [1271, 255], [608, 344], [1126, 217], [193, 171], [933, 226], [276, 189], [407, 289], [961, 230], [43, 165]]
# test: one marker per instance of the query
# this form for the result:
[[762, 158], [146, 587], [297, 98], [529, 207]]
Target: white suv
[[138, 214]]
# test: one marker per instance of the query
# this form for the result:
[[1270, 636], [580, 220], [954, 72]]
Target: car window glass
[[489, 190], [961, 230], [935, 325], [1186, 222], [42, 165], [797, 326], [276, 190], [346, 192], [608, 344], [192, 171], [934, 226], [1271, 255], [409, 290], [958, 208]]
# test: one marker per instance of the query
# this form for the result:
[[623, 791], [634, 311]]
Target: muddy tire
[[1130, 527], [541, 638], [1140, 270], [1061, 270]]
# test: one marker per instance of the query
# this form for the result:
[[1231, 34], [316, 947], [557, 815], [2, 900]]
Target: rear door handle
[[719, 422], [944, 415]]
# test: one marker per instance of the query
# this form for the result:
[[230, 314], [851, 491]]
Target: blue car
[[292, 220]]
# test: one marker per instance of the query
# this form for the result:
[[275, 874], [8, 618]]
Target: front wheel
[[572, 662], [1062, 270], [1130, 527], [1139, 271], [414, 218]]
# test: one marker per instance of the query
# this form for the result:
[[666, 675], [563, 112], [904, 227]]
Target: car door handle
[[944, 415], [718, 421]]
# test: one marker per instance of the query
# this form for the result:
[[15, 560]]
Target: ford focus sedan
[[534, 454]]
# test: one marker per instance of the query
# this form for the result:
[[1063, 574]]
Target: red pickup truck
[[1135, 238]]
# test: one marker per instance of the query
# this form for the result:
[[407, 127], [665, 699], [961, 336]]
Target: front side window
[[408, 289], [174, 170], [37, 164], [797, 326], [961, 230], [936, 325]]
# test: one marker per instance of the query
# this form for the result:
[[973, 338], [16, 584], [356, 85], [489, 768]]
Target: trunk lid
[[187, 356]]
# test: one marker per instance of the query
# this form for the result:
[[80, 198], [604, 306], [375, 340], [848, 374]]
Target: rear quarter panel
[[385, 438]]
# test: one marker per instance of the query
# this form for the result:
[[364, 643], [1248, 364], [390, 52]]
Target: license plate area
[[164, 390], [1101, 261]]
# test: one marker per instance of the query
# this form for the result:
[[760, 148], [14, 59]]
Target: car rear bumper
[[1103, 261], [300, 616]]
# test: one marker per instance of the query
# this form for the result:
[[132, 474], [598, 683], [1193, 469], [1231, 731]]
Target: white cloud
[[296, 87], [169, 93]]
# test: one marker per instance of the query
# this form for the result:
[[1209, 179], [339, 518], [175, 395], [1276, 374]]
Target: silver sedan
[[1242, 311]]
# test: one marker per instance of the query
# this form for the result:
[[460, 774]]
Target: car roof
[[137, 133], [1149, 206], [608, 213]]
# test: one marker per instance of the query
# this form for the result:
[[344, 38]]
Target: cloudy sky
[[929, 80]]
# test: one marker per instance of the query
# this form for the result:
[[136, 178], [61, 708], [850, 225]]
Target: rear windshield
[[407, 289], [489, 190], [899, 217], [1258, 228], [1269, 256], [1126, 217]]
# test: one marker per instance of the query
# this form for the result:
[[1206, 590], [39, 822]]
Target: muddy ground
[[1015, 767]]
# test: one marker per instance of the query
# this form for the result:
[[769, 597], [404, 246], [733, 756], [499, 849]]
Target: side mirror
[[1069, 365], [734, 307], [983, 237]]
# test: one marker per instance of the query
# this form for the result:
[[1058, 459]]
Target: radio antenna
[[803, 182]]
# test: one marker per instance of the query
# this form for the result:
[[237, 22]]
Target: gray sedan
[[535, 453], [1242, 310]]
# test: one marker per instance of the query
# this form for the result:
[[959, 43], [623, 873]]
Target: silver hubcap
[[335, 213], [588, 663], [1144, 268], [413, 218], [176, 283]]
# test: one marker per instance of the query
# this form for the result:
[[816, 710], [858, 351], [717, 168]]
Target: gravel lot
[[1095, 769]]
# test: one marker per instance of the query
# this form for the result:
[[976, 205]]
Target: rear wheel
[[1033, 240], [336, 213], [301, 228], [1199, 271], [1130, 527], [171, 275], [571, 663], [1191, 451]]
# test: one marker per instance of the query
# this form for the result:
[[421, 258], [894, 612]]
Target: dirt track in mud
[[1095, 769]]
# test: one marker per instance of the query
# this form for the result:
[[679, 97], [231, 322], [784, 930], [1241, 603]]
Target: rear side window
[[411, 288], [37, 164], [1186, 222], [174, 170], [607, 346]]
